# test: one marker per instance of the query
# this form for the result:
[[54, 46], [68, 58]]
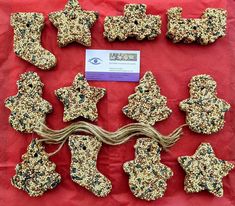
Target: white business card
[[112, 65]]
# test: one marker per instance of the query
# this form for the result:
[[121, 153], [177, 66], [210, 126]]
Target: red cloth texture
[[172, 64]]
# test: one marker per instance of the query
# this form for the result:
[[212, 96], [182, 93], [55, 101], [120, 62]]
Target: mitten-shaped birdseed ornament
[[204, 110], [28, 108], [147, 175], [36, 173], [147, 105], [27, 39], [84, 150]]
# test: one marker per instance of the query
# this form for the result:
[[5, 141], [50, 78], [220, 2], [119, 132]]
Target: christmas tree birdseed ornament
[[135, 23], [147, 105], [73, 24], [83, 170], [27, 40], [204, 110], [36, 173], [28, 108], [204, 171], [147, 175], [206, 30], [80, 99]]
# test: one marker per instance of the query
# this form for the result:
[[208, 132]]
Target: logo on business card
[[122, 56], [95, 61]]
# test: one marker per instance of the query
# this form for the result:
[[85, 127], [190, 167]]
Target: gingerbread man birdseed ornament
[[28, 108], [147, 175], [204, 110]]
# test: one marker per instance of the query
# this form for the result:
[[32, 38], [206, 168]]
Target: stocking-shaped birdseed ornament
[[84, 150]]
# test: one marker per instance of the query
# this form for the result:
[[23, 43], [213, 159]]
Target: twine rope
[[120, 136]]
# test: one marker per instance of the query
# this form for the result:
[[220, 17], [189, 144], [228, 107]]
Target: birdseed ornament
[[80, 99], [147, 105], [204, 110], [147, 175], [205, 30], [83, 170], [135, 23], [27, 40], [36, 173], [73, 24], [28, 108], [204, 171]]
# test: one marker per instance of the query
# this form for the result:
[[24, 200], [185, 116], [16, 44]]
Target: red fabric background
[[173, 66]]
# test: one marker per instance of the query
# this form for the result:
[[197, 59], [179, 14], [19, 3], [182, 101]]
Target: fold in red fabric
[[172, 64]]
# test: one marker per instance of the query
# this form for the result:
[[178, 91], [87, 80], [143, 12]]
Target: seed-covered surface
[[27, 40], [28, 108], [73, 24], [83, 170], [204, 110], [147, 105], [147, 175], [80, 99], [204, 171], [36, 173], [135, 23], [205, 30]]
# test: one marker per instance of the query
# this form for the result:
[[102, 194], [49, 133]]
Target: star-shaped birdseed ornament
[[73, 24], [204, 171], [80, 99]]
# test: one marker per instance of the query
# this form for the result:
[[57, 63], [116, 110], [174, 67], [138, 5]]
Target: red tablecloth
[[172, 64]]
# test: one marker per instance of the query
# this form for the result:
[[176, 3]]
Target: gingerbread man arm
[[46, 106], [224, 105], [128, 166], [10, 102], [184, 105]]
